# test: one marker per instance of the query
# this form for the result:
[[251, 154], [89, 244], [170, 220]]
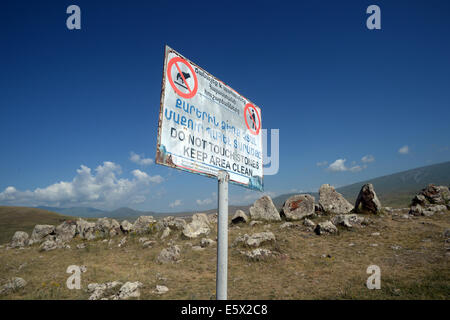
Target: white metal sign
[[206, 126]]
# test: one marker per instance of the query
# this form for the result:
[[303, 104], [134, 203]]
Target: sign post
[[208, 128], [222, 237]]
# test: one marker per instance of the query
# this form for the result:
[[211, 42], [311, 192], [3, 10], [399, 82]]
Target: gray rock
[[212, 218], [436, 194], [239, 217], [348, 220], [129, 290], [416, 210], [49, 245], [309, 223], [332, 201], [264, 209], [19, 239], [148, 244], [165, 233], [107, 227], [126, 226], [81, 246], [199, 226], [98, 290], [12, 285], [41, 231], [368, 199], [325, 227], [160, 290], [86, 230], [174, 223], [66, 231], [298, 207], [255, 240], [287, 225], [255, 223], [437, 208], [171, 254], [144, 224], [207, 242], [257, 254]]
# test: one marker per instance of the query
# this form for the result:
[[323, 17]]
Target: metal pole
[[222, 237]]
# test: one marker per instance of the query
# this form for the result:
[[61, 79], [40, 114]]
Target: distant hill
[[128, 213], [84, 212], [14, 219], [395, 190]]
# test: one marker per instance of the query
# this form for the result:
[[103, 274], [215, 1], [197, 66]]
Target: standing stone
[[107, 227], [239, 216], [298, 207], [264, 209], [126, 226], [368, 199], [143, 224], [114, 229], [40, 231], [86, 230], [66, 231], [174, 223], [19, 239], [198, 226], [165, 233], [332, 201], [213, 218]]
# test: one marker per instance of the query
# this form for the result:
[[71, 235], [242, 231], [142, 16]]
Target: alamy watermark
[[374, 281]]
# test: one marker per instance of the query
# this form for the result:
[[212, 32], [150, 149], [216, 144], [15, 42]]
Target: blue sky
[[79, 108]]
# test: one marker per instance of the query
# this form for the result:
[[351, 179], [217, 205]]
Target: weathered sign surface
[[206, 126]]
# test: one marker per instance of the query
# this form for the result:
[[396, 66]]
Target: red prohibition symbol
[[182, 77], [255, 124]]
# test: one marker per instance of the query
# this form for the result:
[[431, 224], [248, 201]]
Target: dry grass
[[14, 219], [419, 270]]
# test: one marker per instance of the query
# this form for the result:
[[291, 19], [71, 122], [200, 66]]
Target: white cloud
[[204, 201], [176, 203], [403, 150], [355, 169], [321, 164], [140, 159], [368, 158], [210, 200], [338, 165], [102, 189]]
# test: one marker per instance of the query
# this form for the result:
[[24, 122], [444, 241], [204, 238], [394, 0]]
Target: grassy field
[[14, 219], [306, 266]]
